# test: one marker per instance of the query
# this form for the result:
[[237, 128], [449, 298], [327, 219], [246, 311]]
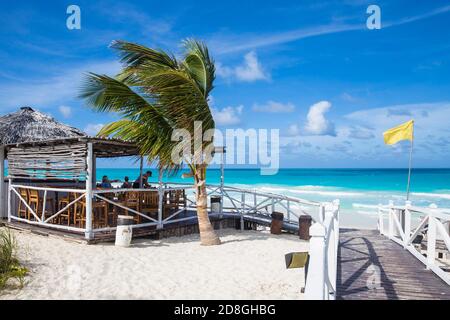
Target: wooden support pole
[[222, 179], [160, 201], [89, 195], [141, 166]]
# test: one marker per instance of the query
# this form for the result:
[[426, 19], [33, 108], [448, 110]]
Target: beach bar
[[51, 184]]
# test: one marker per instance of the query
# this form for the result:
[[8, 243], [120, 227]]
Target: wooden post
[[160, 200], [141, 166], [89, 178], [315, 282], [222, 180], [3, 213], [391, 220], [431, 241], [407, 223], [94, 171]]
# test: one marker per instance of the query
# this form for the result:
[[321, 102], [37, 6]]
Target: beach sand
[[248, 265]]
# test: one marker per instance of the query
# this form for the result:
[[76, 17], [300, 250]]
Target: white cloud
[[226, 43], [316, 123], [93, 128], [250, 70], [228, 115], [274, 107], [66, 111]]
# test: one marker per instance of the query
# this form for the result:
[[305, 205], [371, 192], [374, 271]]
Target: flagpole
[[410, 163]]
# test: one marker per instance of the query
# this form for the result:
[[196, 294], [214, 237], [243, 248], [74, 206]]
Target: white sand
[[248, 265]]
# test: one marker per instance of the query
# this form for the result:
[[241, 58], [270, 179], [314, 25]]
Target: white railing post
[[391, 220], [321, 213], [89, 182], [2, 183], [242, 210], [288, 207], [431, 240], [337, 207], [44, 205], [9, 199], [315, 283], [407, 223], [380, 220]]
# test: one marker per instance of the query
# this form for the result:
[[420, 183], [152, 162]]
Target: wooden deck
[[364, 252]]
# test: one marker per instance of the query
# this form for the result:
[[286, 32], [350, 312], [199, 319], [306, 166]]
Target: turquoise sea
[[351, 186]]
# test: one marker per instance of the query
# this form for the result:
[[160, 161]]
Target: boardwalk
[[363, 252]]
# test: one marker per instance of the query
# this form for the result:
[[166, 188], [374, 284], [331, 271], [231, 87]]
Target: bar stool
[[99, 213], [132, 201], [150, 203], [67, 215]]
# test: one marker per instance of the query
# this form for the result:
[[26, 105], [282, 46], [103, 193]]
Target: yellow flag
[[401, 132]]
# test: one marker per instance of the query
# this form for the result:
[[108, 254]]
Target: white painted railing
[[323, 248], [406, 224], [235, 201], [38, 213]]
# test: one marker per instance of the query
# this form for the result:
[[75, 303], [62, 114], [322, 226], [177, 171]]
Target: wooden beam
[[89, 195]]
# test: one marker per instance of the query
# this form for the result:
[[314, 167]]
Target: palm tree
[[155, 94]]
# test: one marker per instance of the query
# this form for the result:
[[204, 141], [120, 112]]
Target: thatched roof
[[28, 125]]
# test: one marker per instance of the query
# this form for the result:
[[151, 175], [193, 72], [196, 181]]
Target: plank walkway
[[365, 253]]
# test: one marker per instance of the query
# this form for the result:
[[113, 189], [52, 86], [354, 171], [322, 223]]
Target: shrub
[[10, 267]]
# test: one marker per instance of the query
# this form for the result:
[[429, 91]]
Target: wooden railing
[[424, 232], [323, 248]]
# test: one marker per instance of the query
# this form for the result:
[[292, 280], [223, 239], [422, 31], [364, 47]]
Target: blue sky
[[311, 69]]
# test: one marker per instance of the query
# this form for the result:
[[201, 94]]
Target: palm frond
[[155, 94]]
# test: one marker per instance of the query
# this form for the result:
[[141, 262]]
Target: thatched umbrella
[[28, 125]]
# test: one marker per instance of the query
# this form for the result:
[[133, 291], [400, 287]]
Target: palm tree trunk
[[208, 236]]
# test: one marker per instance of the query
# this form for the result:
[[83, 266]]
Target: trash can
[[124, 231], [216, 202], [304, 222], [277, 222]]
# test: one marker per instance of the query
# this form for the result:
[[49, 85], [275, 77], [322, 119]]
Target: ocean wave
[[432, 195], [313, 190]]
